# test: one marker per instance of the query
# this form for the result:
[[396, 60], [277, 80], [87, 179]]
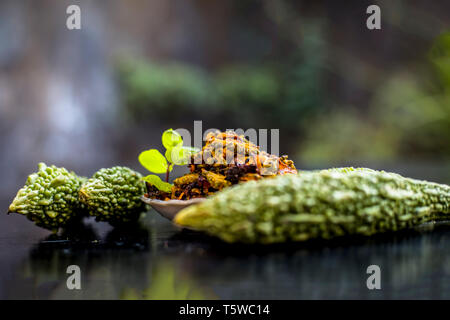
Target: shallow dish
[[168, 209]]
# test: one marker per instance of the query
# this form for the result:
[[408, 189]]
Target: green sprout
[[154, 161]]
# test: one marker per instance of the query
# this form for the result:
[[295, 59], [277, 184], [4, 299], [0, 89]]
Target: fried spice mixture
[[226, 159]]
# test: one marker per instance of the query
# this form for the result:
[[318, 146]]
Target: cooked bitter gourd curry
[[226, 159]]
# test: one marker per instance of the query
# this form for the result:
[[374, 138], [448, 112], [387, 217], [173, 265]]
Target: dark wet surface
[[156, 260]]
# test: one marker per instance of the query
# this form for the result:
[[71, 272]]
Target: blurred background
[[339, 93]]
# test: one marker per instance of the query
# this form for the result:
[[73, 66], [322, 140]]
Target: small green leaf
[[171, 139], [180, 155], [156, 181], [153, 161]]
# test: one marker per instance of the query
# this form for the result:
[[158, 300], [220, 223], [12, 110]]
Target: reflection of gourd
[[166, 284], [323, 204], [104, 272], [48, 260]]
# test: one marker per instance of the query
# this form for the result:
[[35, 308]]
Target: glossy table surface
[[157, 260]]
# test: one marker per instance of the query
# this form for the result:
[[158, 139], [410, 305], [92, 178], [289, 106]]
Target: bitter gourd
[[49, 197], [113, 195], [322, 204]]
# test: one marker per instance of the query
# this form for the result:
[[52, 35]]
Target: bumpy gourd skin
[[49, 197], [322, 204], [113, 195]]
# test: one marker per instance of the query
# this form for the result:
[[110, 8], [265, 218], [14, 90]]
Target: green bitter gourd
[[49, 197], [320, 204], [113, 195]]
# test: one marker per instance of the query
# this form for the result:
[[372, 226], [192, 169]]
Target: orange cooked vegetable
[[226, 159]]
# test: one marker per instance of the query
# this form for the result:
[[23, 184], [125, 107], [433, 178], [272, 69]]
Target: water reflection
[[414, 264], [168, 283], [154, 260]]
